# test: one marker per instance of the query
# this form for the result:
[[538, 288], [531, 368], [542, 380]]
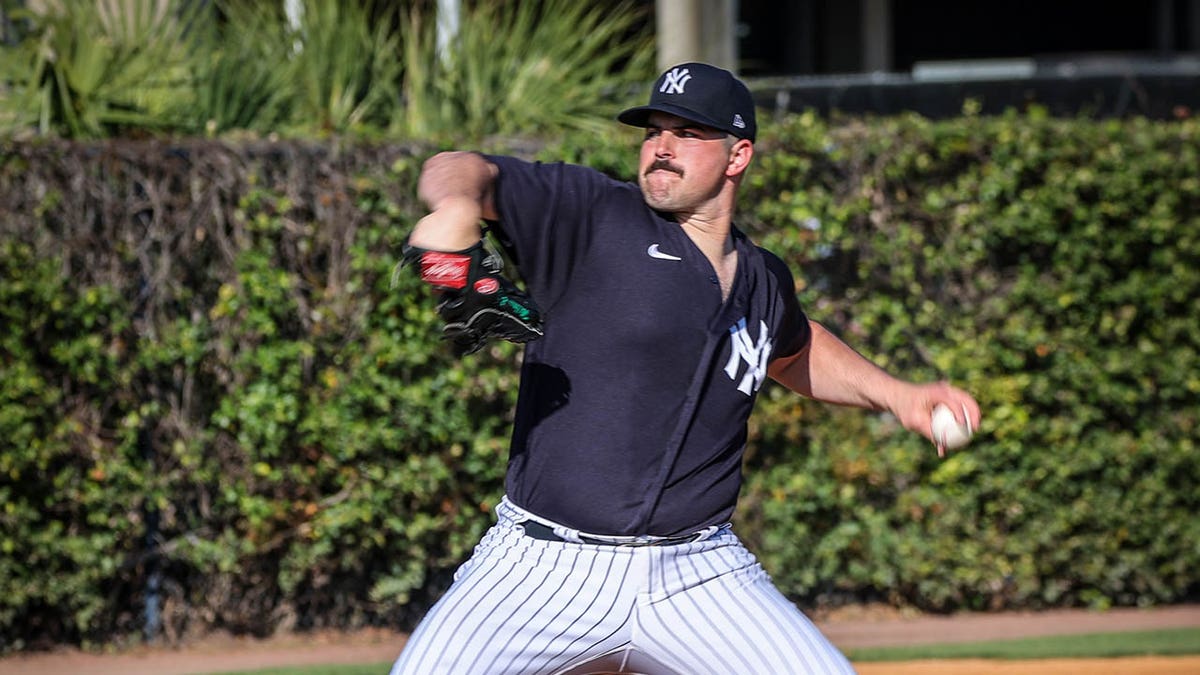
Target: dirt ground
[[1151, 665], [848, 629]]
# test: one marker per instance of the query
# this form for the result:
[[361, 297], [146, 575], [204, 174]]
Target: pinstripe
[[818, 647], [701, 640], [546, 577], [763, 608], [755, 600], [433, 623], [793, 626], [495, 619], [797, 639], [719, 605], [521, 630], [752, 619], [474, 575], [691, 647], [583, 581], [561, 591], [499, 607], [801, 638], [537, 632], [578, 614], [767, 609], [619, 626], [616, 592], [662, 651], [656, 600]]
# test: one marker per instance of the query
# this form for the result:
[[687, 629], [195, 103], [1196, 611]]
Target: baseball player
[[651, 323]]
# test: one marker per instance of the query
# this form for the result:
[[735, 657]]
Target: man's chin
[[659, 201]]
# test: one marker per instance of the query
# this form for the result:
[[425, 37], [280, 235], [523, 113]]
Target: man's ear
[[739, 157]]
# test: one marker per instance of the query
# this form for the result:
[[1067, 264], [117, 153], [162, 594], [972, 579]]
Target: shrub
[[201, 345]]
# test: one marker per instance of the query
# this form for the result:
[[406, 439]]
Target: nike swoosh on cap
[[653, 252]]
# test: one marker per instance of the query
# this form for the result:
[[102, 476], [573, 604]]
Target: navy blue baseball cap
[[701, 93]]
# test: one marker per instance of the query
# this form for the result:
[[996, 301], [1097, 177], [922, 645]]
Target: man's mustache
[[664, 165]]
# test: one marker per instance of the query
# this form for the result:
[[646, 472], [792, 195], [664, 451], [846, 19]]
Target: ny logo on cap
[[674, 81]]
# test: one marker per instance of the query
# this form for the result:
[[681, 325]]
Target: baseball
[[947, 431]]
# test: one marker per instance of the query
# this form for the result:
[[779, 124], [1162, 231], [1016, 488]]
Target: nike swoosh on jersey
[[653, 252]]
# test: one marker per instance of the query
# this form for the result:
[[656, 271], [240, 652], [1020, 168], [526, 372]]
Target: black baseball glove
[[477, 303]]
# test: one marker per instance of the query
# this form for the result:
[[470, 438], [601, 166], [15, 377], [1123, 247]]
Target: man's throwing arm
[[829, 370]]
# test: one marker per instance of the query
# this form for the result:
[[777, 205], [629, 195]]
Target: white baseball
[[947, 431]]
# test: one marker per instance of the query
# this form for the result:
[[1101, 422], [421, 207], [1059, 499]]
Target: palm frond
[[529, 67], [85, 69]]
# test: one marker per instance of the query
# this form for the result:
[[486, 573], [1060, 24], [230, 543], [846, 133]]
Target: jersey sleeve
[[545, 219], [793, 331]]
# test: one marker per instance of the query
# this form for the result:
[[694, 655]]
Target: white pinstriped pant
[[526, 606]]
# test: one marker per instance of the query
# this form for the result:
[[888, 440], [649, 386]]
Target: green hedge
[[205, 335], [315, 457]]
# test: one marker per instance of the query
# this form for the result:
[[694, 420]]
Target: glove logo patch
[[448, 270], [487, 286]]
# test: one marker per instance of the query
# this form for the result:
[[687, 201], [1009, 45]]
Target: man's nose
[[664, 145]]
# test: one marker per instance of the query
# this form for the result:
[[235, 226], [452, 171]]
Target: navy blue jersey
[[631, 415]]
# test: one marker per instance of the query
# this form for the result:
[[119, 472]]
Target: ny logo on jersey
[[674, 81], [756, 355]]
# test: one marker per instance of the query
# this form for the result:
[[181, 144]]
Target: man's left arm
[[476, 301], [829, 370]]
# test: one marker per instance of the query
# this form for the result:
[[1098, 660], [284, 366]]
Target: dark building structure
[[1073, 57]]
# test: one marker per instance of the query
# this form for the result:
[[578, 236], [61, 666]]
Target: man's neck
[[712, 236], [715, 240]]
